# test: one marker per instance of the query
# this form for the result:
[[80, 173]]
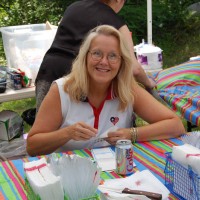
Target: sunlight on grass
[[19, 106]]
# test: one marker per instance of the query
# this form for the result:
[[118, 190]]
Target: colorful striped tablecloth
[[179, 86], [147, 155], [185, 101]]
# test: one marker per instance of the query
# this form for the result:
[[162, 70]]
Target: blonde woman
[[100, 93]]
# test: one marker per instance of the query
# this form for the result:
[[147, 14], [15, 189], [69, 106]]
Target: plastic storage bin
[[25, 46], [181, 181]]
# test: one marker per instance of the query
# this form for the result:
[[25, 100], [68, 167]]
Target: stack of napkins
[[144, 181], [105, 158], [192, 139], [43, 182], [72, 177], [80, 177], [187, 155]]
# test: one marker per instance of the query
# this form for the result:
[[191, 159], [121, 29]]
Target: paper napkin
[[104, 135], [42, 181], [143, 180], [80, 177], [105, 158], [192, 139]]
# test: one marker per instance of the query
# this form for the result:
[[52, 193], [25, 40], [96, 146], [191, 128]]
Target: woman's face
[[103, 59]]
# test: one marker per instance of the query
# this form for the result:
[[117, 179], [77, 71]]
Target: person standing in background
[[79, 18]]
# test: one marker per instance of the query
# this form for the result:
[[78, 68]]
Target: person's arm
[[46, 135], [138, 71], [162, 122]]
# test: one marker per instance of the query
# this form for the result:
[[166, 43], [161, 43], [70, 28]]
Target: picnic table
[[147, 155], [11, 94], [179, 87]]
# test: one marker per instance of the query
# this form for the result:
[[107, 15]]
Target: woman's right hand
[[82, 131]]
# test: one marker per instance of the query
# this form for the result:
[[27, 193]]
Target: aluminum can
[[124, 157], [15, 81]]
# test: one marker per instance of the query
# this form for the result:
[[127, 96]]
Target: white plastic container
[[26, 45], [150, 57]]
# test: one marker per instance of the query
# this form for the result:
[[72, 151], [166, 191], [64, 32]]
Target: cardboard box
[[11, 124], [26, 45]]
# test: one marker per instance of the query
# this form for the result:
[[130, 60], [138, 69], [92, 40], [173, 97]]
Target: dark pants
[[42, 88]]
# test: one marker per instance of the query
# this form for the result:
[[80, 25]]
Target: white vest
[[108, 116]]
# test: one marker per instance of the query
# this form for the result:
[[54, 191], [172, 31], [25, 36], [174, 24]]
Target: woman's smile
[[102, 69]]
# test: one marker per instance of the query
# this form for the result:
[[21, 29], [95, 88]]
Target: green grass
[[177, 52], [19, 106], [140, 122]]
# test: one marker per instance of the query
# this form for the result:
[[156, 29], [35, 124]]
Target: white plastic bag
[[13, 149]]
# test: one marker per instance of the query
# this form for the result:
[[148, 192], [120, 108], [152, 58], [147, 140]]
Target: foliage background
[[174, 27], [176, 30]]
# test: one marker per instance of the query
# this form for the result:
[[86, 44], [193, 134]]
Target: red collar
[[110, 95]]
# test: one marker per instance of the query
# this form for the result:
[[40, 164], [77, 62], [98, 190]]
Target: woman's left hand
[[119, 134]]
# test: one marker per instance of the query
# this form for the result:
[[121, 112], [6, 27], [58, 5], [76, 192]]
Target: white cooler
[[150, 57]]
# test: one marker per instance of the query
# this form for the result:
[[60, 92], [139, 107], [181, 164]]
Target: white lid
[[148, 48]]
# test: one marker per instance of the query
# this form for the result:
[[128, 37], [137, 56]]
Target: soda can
[[15, 81], [124, 157]]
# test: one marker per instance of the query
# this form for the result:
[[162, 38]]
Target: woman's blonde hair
[[77, 82]]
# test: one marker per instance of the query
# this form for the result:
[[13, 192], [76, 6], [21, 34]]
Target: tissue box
[[11, 125], [181, 181], [26, 45]]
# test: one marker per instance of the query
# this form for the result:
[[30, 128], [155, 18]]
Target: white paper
[[74, 171], [118, 196], [179, 153], [105, 158], [111, 129], [143, 180], [104, 135], [192, 139]]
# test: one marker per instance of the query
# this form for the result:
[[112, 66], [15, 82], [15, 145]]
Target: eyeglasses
[[97, 55]]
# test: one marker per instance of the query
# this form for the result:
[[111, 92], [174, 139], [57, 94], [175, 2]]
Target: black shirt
[[79, 18]]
